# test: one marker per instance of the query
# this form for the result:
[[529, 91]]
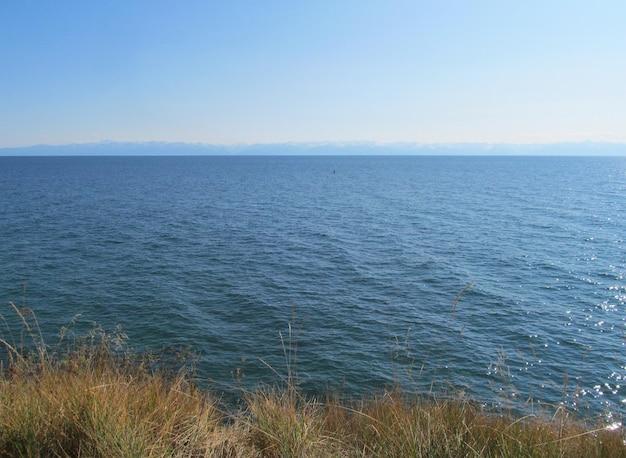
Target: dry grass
[[96, 400], [392, 425]]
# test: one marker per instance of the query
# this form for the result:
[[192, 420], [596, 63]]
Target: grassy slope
[[94, 400]]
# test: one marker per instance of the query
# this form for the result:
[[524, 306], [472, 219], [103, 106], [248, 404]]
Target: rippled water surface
[[365, 255]]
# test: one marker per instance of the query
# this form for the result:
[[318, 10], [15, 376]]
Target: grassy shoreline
[[93, 398]]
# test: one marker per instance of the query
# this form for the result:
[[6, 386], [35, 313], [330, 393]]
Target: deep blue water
[[364, 255]]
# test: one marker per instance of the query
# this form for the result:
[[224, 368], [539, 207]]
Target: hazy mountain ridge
[[111, 148]]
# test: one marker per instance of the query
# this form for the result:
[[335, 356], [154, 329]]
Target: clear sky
[[343, 70]]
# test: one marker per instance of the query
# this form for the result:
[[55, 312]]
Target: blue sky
[[287, 71]]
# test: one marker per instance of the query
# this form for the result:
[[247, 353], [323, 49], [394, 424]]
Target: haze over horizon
[[352, 71]]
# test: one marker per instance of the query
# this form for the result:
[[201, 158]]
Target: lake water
[[363, 255]]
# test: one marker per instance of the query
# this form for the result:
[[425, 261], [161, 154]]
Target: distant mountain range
[[109, 148]]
